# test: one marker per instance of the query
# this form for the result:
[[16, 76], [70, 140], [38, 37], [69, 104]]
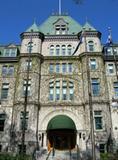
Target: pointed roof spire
[[88, 27], [33, 28]]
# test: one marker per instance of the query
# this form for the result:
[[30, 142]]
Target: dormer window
[[10, 52], [61, 29]]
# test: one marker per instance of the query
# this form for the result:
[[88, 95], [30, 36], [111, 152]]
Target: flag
[[81, 37]]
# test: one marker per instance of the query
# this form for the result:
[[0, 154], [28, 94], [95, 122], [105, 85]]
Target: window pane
[[69, 50], [98, 123], [28, 88], [4, 92], [24, 122], [4, 70], [95, 87], [57, 67], [64, 67], [10, 70], [2, 121], [70, 67], [51, 50], [93, 64], [110, 68], [57, 50], [51, 68], [91, 46], [13, 52], [116, 89], [63, 50]]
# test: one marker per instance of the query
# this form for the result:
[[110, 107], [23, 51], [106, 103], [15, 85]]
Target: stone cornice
[[28, 35], [61, 37]]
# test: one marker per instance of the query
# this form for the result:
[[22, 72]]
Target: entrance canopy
[[61, 122]]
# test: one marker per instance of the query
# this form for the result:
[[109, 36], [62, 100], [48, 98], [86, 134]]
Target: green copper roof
[[33, 28], [48, 26], [61, 122], [88, 27]]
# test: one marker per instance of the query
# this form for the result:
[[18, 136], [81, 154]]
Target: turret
[[31, 39], [90, 39]]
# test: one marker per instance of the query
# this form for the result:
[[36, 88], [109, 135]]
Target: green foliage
[[11, 157], [104, 156]]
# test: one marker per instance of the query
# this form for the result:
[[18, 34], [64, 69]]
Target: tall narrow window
[[28, 64], [69, 49], [51, 50], [98, 120], [70, 67], [28, 87], [95, 87], [63, 29], [51, 91], [4, 91], [116, 89], [24, 124], [91, 46], [7, 52], [57, 90], [4, 70], [11, 70], [57, 28], [2, 121], [30, 47], [110, 68], [93, 65], [71, 90], [57, 50], [64, 90], [63, 50], [64, 67], [57, 67], [51, 68]]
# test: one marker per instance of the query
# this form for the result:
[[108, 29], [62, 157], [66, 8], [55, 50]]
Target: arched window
[[91, 46], [51, 50], [63, 50], [57, 50], [69, 49]]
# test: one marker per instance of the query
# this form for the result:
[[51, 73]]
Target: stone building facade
[[66, 73]]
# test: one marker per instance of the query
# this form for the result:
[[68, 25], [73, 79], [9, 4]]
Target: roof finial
[[109, 40], [59, 7], [34, 20]]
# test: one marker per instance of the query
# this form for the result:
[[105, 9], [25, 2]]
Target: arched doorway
[[61, 133]]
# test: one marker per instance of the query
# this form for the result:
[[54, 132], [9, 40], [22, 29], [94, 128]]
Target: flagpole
[[59, 7]]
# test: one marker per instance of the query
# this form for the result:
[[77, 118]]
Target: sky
[[17, 15]]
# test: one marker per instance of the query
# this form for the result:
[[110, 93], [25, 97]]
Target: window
[[69, 50], [4, 91], [28, 62], [71, 90], [10, 52], [51, 68], [64, 67], [116, 89], [10, 70], [109, 51], [57, 90], [60, 29], [24, 120], [30, 47], [61, 90], [95, 87], [57, 67], [102, 148], [51, 91], [70, 67], [7, 70], [91, 46], [93, 64], [57, 50], [64, 90], [28, 87], [63, 50], [110, 68], [51, 50], [4, 70], [98, 120], [2, 121]]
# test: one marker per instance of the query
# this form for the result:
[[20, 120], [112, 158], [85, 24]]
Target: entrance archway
[[61, 133]]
